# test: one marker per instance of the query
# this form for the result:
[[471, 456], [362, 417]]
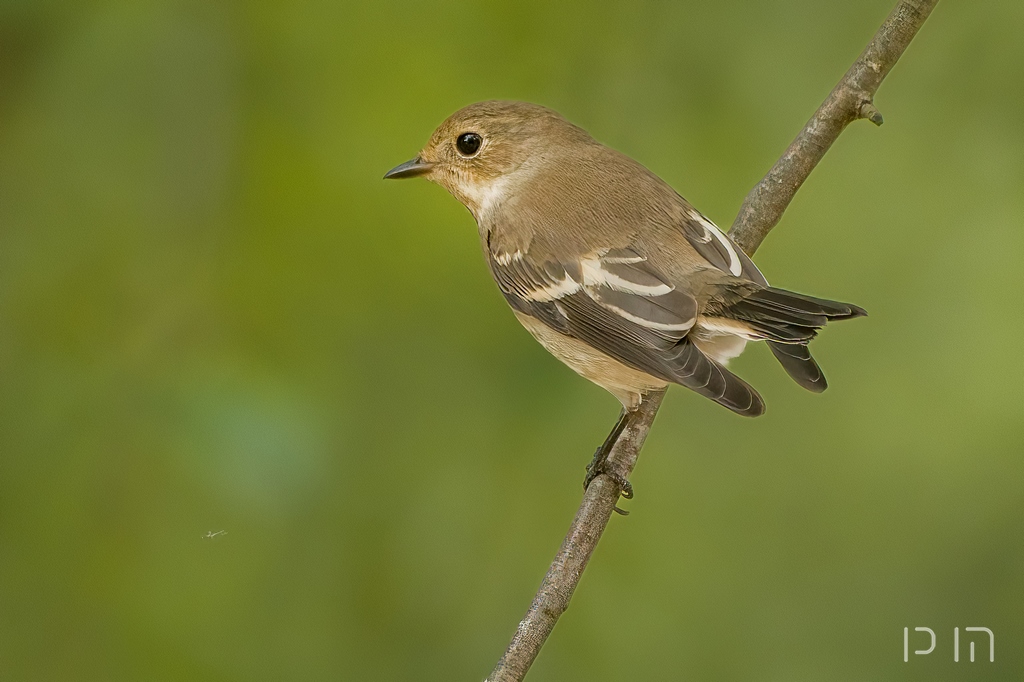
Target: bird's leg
[[601, 454], [596, 466]]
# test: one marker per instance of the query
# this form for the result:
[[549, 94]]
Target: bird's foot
[[597, 467]]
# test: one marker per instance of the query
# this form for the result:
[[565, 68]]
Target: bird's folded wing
[[615, 296], [616, 302], [717, 248]]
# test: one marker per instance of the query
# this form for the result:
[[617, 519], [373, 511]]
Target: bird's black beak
[[409, 169]]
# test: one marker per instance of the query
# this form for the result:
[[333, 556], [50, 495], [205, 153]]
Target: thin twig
[[851, 99], [598, 501]]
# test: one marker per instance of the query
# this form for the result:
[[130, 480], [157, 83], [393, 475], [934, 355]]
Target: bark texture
[[852, 98], [556, 590]]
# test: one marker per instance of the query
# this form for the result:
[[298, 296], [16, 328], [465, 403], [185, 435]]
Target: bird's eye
[[468, 144]]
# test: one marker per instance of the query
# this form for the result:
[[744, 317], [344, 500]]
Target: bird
[[610, 268]]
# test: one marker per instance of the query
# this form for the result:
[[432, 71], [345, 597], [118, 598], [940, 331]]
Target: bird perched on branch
[[608, 267]]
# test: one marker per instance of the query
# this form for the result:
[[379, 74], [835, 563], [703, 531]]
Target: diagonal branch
[[553, 597], [851, 99]]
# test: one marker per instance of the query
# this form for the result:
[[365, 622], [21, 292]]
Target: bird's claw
[[596, 468]]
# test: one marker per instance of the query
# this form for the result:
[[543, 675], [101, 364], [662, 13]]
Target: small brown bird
[[608, 267]]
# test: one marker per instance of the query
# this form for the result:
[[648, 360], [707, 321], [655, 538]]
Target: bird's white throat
[[481, 197]]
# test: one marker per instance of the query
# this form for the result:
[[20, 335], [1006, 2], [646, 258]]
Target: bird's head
[[480, 149]]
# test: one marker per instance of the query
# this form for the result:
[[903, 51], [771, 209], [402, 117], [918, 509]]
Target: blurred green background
[[214, 315]]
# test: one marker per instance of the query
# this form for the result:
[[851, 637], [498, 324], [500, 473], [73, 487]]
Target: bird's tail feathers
[[788, 321], [796, 359]]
